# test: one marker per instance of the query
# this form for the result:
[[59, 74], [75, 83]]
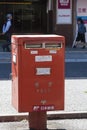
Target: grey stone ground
[[75, 124]]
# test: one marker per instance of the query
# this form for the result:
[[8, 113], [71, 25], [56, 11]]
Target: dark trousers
[[81, 37], [6, 47]]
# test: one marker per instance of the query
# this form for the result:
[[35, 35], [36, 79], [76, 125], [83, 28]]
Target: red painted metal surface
[[38, 72]]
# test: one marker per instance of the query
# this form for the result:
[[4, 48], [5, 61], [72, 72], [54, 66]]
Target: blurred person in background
[[7, 32], [80, 35]]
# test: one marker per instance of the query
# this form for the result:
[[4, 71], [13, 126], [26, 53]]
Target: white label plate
[[43, 71], [34, 52], [14, 58], [43, 58], [53, 51]]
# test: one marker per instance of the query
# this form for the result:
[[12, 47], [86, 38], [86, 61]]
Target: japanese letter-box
[[38, 72]]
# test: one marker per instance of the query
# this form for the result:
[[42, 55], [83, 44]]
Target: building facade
[[42, 16], [65, 19]]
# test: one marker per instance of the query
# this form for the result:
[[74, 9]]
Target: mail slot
[[38, 72]]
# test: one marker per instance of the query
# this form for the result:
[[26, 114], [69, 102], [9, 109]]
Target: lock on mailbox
[[38, 72]]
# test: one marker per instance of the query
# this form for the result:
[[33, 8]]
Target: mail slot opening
[[43, 45], [53, 45], [28, 46]]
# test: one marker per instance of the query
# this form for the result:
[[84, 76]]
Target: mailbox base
[[37, 120]]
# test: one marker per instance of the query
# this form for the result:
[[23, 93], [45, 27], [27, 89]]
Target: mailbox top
[[35, 38]]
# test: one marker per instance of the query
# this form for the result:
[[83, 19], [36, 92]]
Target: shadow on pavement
[[56, 129], [5, 70]]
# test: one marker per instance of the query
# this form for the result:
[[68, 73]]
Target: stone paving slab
[[75, 124], [5, 57], [80, 124]]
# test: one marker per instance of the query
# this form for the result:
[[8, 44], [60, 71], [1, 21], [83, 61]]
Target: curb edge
[[58, 116]]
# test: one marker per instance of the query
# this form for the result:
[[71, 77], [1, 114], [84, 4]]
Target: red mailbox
[[38, 72]]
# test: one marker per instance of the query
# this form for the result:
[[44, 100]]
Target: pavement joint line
[[54, 116], [75, 60], [5, 62], [66, 60], [73, 51]]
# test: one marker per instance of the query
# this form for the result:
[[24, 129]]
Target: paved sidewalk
[[80, 124], [5, 57], [75, 55]]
